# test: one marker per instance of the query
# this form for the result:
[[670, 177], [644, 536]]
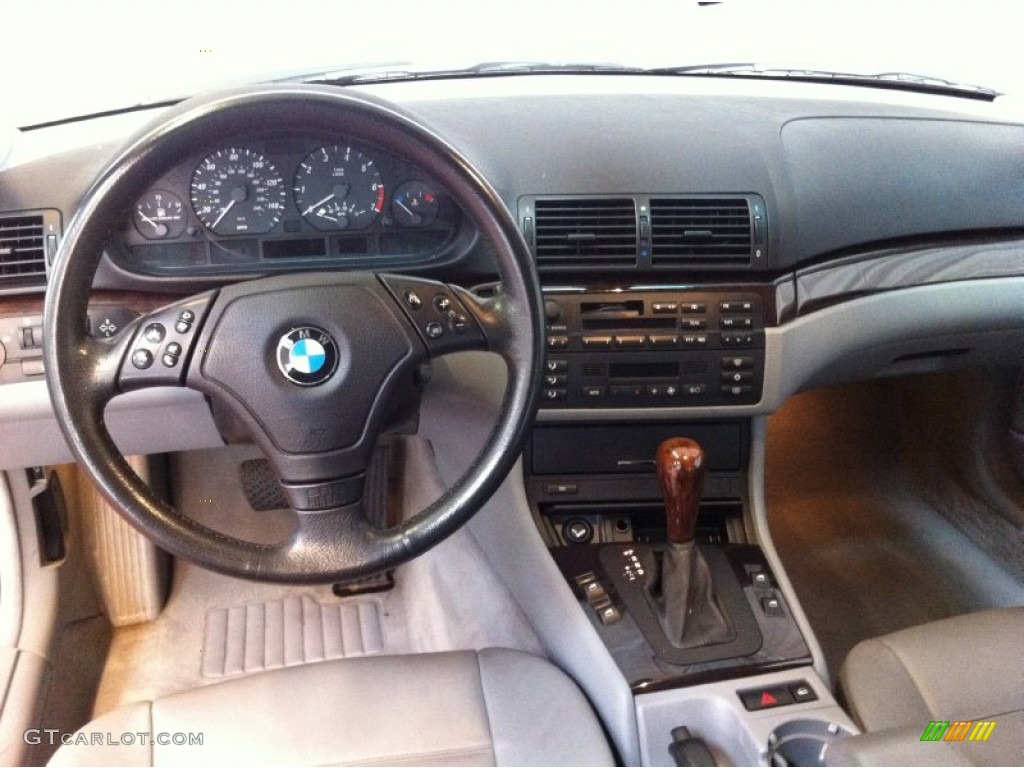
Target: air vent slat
[[701, 232], [581, 233], [22, 254]]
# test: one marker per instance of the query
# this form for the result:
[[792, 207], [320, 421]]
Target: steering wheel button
[[187, 316], [173, 349], [142, 359], [170, 360], [182, 326], [412, 299], [458, 323], [154, 333], [434, 330], [442, 304]]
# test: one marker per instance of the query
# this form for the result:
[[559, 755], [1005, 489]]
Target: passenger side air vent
[[710, 232], [23, 248], [584, 233]]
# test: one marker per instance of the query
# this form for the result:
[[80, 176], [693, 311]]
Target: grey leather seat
[[968, 668], [495, 707]]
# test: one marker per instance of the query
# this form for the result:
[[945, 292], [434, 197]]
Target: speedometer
[[237, 191], [338, 187]]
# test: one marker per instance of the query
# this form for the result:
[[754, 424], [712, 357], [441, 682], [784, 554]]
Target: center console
[[693, 614]]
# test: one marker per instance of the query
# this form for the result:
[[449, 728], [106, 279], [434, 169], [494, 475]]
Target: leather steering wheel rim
[[82, 371]]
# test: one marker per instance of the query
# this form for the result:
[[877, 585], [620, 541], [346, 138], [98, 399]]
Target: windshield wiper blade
[[909, 81]]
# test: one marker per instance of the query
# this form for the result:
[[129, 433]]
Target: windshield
[[76, 58]]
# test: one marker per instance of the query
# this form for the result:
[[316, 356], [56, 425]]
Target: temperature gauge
[[414, 205], [159, 215]]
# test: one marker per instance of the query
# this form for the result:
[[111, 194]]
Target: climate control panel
[[636, 349]]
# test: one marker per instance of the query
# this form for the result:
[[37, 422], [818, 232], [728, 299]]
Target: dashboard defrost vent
[[587, 233], [22, 250], [704, 231]]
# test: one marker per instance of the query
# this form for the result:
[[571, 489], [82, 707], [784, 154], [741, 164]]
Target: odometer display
[[338, 187], [237, 191]]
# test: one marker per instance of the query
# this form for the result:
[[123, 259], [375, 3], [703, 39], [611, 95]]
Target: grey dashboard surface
[[839, 168]]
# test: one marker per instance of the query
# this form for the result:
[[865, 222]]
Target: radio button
[[662, 390], [694, 307], [593, 342], [664, 307], [559, 366], [555, 394], [692, 390], [630, 341], [694, 323], [695, 340], [592, 393], [555, 380], [558, 342], [667, 340], [736, 305], [629, 390], [737, 363], [736, 322]]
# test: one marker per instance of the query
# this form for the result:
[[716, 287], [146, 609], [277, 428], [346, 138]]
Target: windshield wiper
[[907, 81]]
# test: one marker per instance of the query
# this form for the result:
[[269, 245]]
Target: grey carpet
[[448, 599], [866, 554]]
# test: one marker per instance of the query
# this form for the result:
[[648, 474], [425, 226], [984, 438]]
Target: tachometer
[[338, 187], [237, 191]]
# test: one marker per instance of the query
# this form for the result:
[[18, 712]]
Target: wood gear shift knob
[[680, 463]]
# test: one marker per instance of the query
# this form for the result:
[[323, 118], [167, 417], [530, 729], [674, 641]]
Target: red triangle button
[[767, 700]]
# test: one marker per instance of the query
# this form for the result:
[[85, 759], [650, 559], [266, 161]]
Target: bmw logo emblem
[[307, 356]]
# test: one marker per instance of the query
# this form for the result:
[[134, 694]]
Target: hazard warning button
[[766, 698]]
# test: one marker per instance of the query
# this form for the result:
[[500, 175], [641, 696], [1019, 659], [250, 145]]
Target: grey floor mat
[[866, 555], [287, 632]]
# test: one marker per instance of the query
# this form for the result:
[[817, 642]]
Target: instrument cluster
[[257, 205]]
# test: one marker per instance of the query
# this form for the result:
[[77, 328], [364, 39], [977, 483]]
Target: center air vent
[[713, 232], [587, 233], [23, 250]]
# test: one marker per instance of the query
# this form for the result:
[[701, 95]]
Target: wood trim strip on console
[[133, 300]]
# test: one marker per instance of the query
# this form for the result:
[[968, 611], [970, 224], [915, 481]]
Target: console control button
[[737, 377], [665, 307], [555, 379], [695, 340], [694, 307], [626, 390], [609, 615], [556, 366], [737, 340], [555, 394], [738, 390], [557, 342], [693, 323], [772, 606], [664, 340], [737, 363], [736, 322], [630, 341], [766, 698], [734, 305], [593, 393], [33, 367], [694, 389], [579, 531], [561, 489], [802, 692], [597, 342]]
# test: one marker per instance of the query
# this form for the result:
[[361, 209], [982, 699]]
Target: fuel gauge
[[159, 215], [414, 205]]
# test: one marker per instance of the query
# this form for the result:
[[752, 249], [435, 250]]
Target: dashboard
[[706, 247], [288, 201]]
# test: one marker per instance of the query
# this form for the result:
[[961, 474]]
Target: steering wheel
[[307, 362]]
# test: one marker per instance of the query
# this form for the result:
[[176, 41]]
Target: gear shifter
[[682, 590]]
